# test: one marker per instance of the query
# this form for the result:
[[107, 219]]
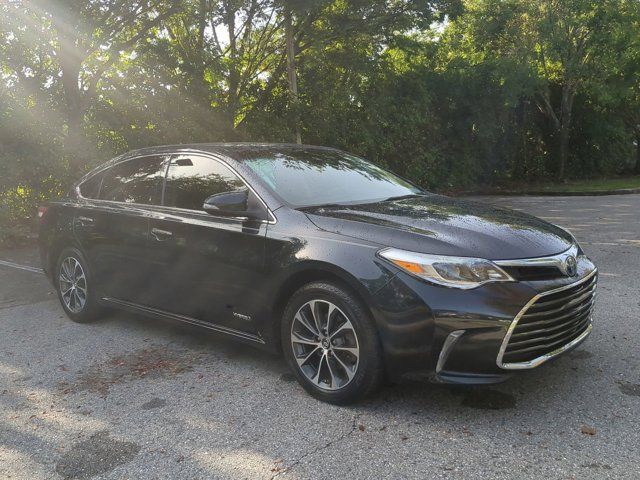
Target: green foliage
[[449, 93]]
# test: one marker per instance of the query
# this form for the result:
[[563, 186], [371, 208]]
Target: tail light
[[41, 212]]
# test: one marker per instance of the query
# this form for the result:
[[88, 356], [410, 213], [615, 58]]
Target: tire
[[349, 355], [73, 282]]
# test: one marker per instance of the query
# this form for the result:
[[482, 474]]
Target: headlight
[[457, 272]]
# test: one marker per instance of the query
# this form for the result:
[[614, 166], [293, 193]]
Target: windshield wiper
[[403, 197], [322, 205], [346, 205]]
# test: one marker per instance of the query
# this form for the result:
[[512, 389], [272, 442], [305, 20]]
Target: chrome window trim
[[272, 221], [548, 356], [169, 210]]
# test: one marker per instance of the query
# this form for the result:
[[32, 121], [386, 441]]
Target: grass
[[571, 186], [592, 185]]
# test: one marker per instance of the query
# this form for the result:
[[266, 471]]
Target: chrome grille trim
[[556, 261], [578, 322]]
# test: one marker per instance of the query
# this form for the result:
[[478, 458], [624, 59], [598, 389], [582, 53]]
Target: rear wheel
[[74, 285], [331, 344]]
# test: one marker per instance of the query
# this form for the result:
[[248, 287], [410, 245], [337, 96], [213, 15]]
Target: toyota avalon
[[350, 271]]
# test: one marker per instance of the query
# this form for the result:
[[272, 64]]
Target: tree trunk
[[198, 83], [637, 169], [233, 103], [566, 110], [75, 141], [291, 74], [564, 143], [75, 109], [521, 150]]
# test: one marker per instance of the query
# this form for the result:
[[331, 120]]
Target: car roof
[[236, 151]]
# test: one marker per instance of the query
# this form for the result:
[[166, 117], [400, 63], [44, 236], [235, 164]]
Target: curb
[[594, 193]]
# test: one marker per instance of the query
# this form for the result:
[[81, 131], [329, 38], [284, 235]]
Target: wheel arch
[[313, 272], [55, 234]]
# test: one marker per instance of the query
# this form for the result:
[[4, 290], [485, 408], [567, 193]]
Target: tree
[[629, 99], [88, 38], [451, 93], [570, 44], [552, 49]]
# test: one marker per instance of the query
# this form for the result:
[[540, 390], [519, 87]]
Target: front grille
[[551, 321], [533, 273]]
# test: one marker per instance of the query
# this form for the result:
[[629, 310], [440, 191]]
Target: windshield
[[311, 177]]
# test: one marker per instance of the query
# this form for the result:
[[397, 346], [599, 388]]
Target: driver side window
[[192, 179]]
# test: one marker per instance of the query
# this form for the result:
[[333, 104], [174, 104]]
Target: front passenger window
[[192, 179]]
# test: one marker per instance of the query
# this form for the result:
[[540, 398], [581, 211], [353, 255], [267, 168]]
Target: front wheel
[[73, 282], [331, 344]]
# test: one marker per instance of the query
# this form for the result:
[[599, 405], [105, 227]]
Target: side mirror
[[228, 204]]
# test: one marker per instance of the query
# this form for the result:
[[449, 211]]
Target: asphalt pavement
[[131, 397]]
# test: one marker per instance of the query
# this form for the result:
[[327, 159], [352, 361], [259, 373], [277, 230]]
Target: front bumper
[[448, 335]]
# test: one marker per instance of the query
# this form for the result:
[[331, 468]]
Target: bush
[[19, 207]]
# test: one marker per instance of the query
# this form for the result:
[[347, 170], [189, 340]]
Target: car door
[[210, 267], [113, 226]]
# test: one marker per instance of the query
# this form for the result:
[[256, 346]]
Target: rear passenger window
[[90, 188], [135, 181], [192, 179]]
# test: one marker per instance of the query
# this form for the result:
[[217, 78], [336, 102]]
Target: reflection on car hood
[[445, 226]]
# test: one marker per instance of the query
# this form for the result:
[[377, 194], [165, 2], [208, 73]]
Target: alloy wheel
[[325, 345], [72, 282]]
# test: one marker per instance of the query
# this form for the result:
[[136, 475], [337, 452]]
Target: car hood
[[445, 226]]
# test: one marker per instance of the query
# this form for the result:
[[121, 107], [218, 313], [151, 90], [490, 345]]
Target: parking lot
[[131, 397]]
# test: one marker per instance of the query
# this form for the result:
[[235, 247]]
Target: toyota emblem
[[570, 266]]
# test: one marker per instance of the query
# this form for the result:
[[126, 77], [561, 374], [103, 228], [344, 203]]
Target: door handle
[[160, 235], [84, 221]]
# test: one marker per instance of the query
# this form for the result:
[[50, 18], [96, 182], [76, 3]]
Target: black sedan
[[351, 271]]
